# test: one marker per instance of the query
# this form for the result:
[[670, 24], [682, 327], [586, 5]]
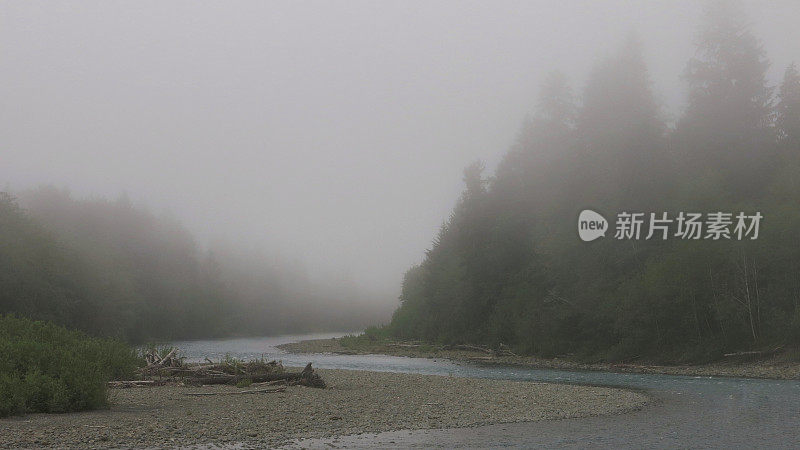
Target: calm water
[[691, 411]]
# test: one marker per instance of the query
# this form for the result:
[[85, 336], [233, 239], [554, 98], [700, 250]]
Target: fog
[[331, 133]]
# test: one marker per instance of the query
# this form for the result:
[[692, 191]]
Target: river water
[[709, 412]]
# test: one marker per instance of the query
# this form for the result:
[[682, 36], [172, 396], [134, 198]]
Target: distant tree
[[727, 128], [39, 278], [788, 108], [543, 147], [474, 181], [618, 100], [555, 108], [621, 151], [408, 320], [727, 78]]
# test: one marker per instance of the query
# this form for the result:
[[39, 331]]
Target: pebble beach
[[355, 402]]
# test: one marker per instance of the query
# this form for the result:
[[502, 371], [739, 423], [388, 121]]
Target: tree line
[[114, 269], [508, 267]]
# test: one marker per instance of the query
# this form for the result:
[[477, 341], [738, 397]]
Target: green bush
[[47, 368]]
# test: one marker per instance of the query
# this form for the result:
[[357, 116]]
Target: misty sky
[[334, 133]]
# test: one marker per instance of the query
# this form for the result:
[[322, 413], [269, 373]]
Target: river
[[688, 411]]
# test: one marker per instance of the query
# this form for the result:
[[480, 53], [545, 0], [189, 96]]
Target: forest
[[113, 269], [507, 266]]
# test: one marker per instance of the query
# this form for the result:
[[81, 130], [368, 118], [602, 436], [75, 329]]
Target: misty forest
[[113, 269], [507, 266]]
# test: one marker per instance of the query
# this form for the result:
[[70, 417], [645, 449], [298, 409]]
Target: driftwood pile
[[249, 372], [172, 369], [171, 359]]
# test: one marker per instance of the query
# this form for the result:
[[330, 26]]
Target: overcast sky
[[331, 132]]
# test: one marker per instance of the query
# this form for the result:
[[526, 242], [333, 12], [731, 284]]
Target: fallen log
[[250, 391], [155, 361], [167, 358], [480, 358], [467, 347], [401, 345], [743, 353], [505, 350], [270, 383], [134, 383], [751, 353]]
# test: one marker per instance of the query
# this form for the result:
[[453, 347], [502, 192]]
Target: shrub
[[48, 368]]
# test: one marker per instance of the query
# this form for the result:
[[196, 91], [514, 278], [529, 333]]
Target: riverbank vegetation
[[47, 368], [508, 266]]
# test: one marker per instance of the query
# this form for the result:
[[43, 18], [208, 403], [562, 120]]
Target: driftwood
[[473, 348], [249, 391], [270, 383], [155, 361], [503, 349], [481, 358], [170, 368], [171, 365], [134, 383], [306, 377], [403, 345], [169, 356], [743, 353], [754, 353]]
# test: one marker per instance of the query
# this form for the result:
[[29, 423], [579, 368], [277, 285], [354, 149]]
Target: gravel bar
[[354, 402]]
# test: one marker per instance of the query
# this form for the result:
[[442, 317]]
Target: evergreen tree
[[544, 146], [555, 108], [788, 109], [508, 268], [727, 129], [620, 131], [729, 97]]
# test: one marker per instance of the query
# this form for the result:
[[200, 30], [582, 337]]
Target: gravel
[[355, 402]]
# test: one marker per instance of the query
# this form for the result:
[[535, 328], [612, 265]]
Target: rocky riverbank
[[772, 368], [354, 402]]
